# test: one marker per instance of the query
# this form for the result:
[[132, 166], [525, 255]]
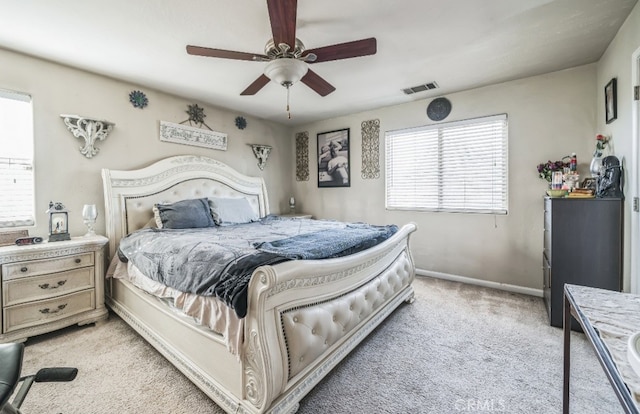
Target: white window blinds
[[16, 160], [457, 166]]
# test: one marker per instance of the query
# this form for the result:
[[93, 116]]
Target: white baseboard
[[479, 282]]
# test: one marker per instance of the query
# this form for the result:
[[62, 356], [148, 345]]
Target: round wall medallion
[[241, 123], [138, 99], [438, 109]]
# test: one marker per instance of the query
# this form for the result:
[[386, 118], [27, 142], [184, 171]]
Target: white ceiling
[[460, 44]]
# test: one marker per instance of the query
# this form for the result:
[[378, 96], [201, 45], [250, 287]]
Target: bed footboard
[[306, 316]]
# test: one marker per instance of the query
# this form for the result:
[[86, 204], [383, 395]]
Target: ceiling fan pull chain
[[288, 111]]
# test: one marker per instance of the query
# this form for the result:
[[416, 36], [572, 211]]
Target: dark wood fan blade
[[357, 48], [282, 15], [256, 85], [317, 83], [224, 54]]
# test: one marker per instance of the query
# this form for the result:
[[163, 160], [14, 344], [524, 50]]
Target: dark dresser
[[582, 246]]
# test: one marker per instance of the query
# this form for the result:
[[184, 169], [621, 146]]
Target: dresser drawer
[[46, 286], [46, 311], [547, 220], [547, 243], [546, 272], [39, 267]]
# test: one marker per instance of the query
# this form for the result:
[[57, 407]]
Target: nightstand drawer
[[39, 267], [42, 287], [46, 311]]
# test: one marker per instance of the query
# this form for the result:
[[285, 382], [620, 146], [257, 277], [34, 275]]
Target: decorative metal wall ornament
[[187, 135], [138, 99], [371, 149], [241, 123], [262, 153], [196, 116], [302, 156], [89, 129]]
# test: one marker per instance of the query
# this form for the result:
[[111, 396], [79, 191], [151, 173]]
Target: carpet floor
[[457, 348]]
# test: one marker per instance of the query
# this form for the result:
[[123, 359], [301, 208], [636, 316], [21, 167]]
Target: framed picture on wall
[[333, 159], [610, 104]]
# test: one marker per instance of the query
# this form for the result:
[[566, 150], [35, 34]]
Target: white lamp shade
[[286, 71]]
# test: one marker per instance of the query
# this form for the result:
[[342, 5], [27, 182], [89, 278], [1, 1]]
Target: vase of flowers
[[546, 170]]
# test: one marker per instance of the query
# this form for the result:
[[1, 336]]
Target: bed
[[294, 331]]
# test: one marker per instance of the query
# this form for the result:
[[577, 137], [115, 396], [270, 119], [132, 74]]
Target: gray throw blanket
[[332, 243], [220, 260]]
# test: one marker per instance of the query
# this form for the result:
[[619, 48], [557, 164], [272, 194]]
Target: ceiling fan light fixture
[[286, 71]]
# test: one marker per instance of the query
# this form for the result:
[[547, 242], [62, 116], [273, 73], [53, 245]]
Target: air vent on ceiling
[[420, 88]]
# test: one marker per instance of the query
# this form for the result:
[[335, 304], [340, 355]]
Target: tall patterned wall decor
[[302, 156], [371, 149]]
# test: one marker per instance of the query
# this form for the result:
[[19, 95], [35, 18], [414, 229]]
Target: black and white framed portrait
[[610, 104], [333, 159]]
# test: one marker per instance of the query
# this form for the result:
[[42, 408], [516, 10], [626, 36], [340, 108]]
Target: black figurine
[[609, 184]]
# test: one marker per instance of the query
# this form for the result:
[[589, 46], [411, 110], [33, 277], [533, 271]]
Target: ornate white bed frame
[[304, 316]]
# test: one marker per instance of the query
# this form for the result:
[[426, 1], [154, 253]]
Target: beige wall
[[617, 63], [550, 116], [63, 174]]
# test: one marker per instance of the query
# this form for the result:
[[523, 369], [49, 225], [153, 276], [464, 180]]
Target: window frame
[[499, 172], [9, 161]]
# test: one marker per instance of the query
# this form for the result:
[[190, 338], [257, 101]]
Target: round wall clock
[[438, 109]]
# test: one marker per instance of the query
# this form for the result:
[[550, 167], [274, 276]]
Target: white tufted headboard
[[130, 195]]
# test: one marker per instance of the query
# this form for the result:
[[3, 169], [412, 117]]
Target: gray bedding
[[220, 260]]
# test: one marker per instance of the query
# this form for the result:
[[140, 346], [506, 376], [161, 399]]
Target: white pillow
[[227, 211]]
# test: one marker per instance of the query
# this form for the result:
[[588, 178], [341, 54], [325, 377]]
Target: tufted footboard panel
[[312, 330]]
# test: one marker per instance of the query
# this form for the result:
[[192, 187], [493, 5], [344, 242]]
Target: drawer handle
[[49, 311], [78, 260], [47, 286], [23, 269]]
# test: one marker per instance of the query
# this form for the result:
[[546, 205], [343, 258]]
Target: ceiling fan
[[288, 59]]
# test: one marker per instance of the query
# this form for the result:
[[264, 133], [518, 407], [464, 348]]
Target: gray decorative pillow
[[184, 214], [226, 211]]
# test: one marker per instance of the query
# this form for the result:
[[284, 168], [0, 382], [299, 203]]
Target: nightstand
[[51, 285], [297, 216]]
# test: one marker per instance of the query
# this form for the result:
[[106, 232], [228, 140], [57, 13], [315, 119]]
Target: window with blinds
[[16, 160], [457, 167]]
